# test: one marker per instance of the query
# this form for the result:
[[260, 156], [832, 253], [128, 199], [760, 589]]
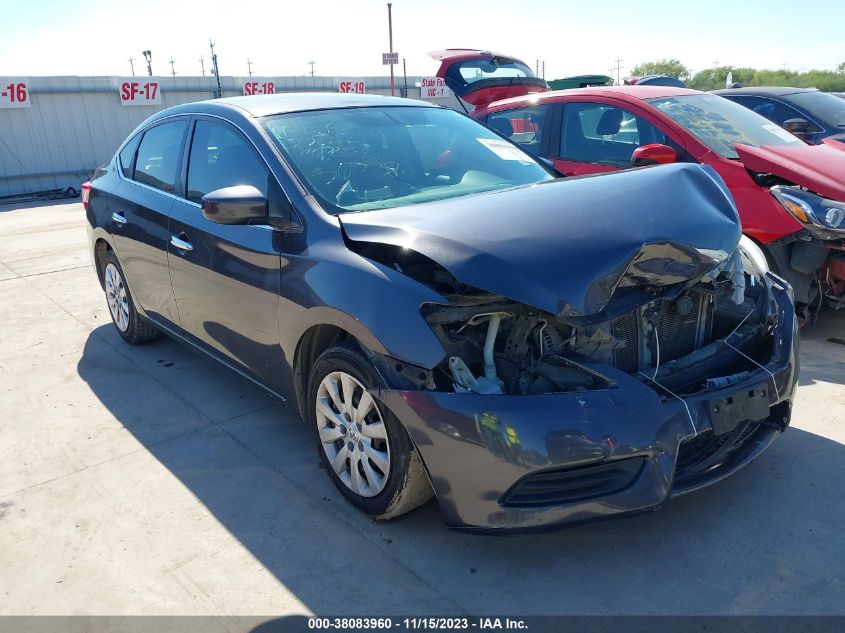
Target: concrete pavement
[[149, 480]]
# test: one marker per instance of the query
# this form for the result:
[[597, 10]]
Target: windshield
[[822, 105], [495, 68], [356, 159], [720, 123]]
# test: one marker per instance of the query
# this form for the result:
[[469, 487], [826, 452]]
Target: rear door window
[[157, 162], [222, 157], [526, 126], [605, 134]]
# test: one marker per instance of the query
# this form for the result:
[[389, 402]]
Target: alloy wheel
[[117, 297]]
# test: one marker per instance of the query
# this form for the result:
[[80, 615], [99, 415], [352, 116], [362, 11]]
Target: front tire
[[131, 327], [364, 449]]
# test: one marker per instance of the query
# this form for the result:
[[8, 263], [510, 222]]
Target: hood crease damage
[[578, 249]]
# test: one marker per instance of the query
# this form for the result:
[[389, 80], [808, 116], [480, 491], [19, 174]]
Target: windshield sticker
[[780, 132], [503, 149]]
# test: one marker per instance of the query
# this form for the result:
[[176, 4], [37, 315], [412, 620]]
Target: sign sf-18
[[259, 88]]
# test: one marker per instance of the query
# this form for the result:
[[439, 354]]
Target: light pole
[[148, 56], [215, 70], [390, 34]]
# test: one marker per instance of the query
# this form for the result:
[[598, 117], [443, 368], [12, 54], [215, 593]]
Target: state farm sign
[[432, 87], [134, 92]]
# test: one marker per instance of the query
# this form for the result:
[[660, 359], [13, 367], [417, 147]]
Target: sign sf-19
[[259, 88], [14, 93], [134, 93], [432, 87], [355, 87]]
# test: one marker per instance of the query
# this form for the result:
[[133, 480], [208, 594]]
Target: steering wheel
[[361, 179]]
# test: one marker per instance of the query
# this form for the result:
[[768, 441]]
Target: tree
[[715, 78], [669, 67]]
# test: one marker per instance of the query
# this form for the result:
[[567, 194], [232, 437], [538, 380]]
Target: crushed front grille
[[707, 450]]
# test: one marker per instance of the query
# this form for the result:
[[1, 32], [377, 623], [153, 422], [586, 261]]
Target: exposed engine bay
[[498, 346]]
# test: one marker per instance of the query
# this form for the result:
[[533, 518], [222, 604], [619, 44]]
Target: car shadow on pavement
[[767, 540]]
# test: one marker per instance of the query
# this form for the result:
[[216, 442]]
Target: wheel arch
[[101, 249], [313, 342], [329, 327], [376, 306]]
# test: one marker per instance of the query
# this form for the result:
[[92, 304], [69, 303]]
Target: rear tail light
[[86, 194]]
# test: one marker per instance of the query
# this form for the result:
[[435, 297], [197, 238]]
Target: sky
[[97, 37]]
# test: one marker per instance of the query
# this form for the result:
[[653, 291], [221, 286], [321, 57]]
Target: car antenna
[[520, 79]]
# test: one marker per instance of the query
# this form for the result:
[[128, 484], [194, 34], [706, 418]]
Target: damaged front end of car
[[497, 346], [666, 367], [806, 181]]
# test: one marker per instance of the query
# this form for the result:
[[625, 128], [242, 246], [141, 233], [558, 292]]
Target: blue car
[[447, 315], [807, 113]]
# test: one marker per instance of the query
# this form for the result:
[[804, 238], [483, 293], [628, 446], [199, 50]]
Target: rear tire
[[129, 324], [363, 447]]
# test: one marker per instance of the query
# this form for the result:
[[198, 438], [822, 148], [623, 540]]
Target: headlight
[[811, 210]]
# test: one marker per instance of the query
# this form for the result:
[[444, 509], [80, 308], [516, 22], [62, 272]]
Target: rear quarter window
[[126, 157]]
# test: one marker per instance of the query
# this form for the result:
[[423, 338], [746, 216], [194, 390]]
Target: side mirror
[[654, 154], [797, 126], [235, 205]]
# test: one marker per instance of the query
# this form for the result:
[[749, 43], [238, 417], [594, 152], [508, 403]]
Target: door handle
[[117, 216], [181, 244]]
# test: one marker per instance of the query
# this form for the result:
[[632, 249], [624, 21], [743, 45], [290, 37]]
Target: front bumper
[[613, 451]]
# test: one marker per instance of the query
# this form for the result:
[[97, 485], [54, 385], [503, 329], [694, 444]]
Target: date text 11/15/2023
[[420, 623]]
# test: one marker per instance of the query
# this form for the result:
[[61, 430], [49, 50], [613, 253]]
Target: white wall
[[75, 124]]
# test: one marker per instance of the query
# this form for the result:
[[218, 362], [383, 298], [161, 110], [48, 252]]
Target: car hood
[[568, 246], [820, 168]]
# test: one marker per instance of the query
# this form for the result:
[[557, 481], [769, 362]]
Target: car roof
[[630, 92], [769, 91], [265, 105]]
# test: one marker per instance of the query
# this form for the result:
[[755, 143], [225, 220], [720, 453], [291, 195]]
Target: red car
[[791, 196]]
